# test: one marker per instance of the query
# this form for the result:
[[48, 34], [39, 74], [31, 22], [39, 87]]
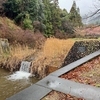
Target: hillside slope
[[17, 35], [50, 56]]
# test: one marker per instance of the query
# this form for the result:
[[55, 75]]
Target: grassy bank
[[51, 56]]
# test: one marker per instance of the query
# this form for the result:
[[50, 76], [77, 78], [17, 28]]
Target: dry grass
[[12, 60], [8, 23], [51, 56], [55, 50], [55, 47], [21, 51]]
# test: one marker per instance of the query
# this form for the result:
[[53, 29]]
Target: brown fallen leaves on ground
[[88, 73], [54, 95]]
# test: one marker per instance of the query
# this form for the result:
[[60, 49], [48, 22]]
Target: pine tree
[[52, 16], [66, 26], [48, 18], [18, 9], [75, 17], [56, 20], [44, 15]]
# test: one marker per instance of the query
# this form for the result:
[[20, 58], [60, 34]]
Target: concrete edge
[[75, 64], [84, 91]]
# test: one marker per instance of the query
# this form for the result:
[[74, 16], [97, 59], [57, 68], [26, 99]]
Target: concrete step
[[34, 92], [75, 64]]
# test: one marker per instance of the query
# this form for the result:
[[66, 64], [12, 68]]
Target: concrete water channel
[[53, 82]]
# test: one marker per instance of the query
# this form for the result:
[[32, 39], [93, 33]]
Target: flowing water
[[12, 84], [25, 66]]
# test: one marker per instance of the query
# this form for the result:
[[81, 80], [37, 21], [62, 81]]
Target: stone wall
[[80, 49]]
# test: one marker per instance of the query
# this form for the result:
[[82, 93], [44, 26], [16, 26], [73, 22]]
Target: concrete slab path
[[86, 92], [34, 92]]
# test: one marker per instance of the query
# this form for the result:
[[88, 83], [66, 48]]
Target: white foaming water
[[23, 73], [19, 75]]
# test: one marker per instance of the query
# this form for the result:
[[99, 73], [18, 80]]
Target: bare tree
[[93, 11]]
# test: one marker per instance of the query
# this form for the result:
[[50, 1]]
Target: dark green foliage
[[11, 8], [66, 26], [63, 13], [55, 11], [74, 16], [17, 10], [27, 23], [52, 17], [42, 15], [48, 18]]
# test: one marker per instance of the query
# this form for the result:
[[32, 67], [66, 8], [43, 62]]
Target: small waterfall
[[23, 73], [25, 66]]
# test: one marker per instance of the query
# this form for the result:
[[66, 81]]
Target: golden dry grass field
[[52, 54]]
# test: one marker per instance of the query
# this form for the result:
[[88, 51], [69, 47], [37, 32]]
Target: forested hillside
[[43, 15]]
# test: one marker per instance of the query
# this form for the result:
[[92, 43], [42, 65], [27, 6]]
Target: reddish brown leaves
[[54, 95], [86, 73]]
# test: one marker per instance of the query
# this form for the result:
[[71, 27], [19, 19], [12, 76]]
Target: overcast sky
[[86, 6]]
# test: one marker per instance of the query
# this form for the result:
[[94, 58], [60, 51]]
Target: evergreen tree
[[11, 8], [44, 15], [48, 18], [41, 15], [27, 7], [56, 20], [66, 26], [75, 17], [52, 16], [17, 10]]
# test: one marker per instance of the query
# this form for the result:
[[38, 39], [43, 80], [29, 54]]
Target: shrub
[[27, 23]]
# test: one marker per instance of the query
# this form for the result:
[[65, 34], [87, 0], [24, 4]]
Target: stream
[[11, 87]]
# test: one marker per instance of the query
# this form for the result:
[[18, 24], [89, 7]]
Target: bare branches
[[96, 12]]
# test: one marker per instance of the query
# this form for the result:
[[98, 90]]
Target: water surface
[[9, 88]]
